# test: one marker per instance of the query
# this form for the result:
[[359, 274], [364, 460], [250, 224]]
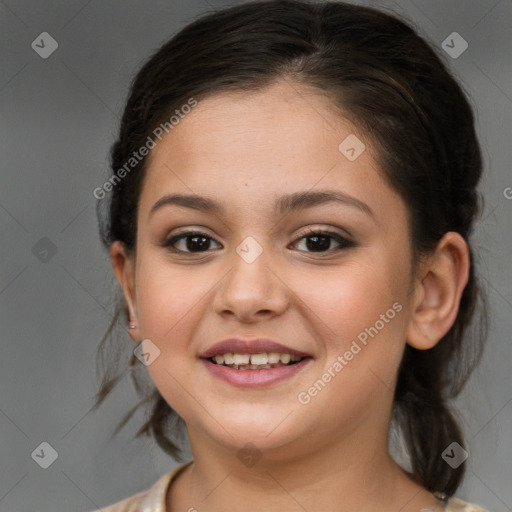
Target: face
[[327, 278]]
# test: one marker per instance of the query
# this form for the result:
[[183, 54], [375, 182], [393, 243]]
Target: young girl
[[293, 190]]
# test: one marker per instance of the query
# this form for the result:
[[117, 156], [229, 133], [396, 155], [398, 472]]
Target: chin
[[264, 434]]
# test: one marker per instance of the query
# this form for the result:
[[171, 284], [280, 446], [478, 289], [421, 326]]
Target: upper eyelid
[[308, 228], [310, 232]]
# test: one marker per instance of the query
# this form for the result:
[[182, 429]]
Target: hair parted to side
[[389, 82]]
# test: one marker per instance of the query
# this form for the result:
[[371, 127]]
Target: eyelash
[[342, 241]]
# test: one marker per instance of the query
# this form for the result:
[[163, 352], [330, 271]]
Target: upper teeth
[[259, 359]]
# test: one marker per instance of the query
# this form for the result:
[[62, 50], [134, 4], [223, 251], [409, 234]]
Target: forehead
[[284, 117], [252, 146]]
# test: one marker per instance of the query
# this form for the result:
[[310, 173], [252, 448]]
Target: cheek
[[349, 299], [166, 296], [361, 312], [169, 305]]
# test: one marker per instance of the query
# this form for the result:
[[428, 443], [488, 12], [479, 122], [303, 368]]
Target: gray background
[[59, 117]]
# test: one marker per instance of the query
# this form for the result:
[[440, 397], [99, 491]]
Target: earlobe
[[123, 265], [440, 283]]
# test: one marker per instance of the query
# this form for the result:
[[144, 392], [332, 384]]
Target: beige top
[[153, 499]]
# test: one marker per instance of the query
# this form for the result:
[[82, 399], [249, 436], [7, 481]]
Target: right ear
[[123, 263]]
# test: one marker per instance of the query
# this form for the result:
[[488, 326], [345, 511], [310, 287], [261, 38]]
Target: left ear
[[440, 282]]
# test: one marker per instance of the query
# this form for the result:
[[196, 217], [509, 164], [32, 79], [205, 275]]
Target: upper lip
[[255, 346]]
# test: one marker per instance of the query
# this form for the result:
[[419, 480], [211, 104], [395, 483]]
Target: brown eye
[[194, 242], [320, 241]]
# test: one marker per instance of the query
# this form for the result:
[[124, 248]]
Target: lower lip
[[255, 378]]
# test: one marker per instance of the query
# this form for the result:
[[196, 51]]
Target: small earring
[[132, 326]]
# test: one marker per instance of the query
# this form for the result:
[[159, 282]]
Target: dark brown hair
[[395, 88]]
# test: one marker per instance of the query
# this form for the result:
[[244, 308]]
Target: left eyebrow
[[284, 204], [309, 199]]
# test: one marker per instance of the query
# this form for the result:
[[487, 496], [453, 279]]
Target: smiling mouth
[[262, 361]]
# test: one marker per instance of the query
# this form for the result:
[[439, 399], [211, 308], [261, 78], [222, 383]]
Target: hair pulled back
[[391, 84]]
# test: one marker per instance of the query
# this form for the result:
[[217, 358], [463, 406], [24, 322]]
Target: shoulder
[[456, 505], [150, 500], [131, 504]]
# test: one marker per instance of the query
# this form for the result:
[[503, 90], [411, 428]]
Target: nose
[[251, 291]]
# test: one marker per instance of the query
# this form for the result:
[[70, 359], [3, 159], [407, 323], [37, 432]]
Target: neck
[[342, 476]]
